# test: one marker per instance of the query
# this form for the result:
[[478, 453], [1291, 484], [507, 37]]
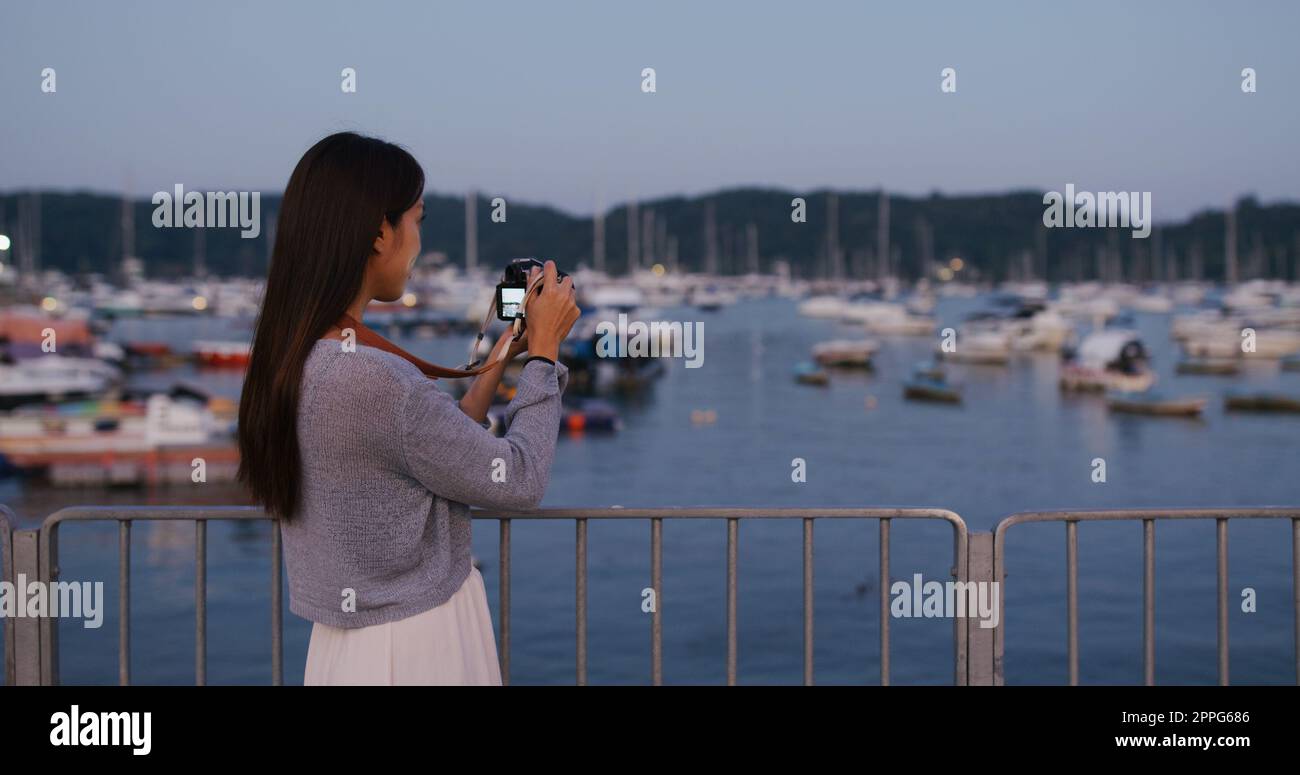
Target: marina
[[685, 418]]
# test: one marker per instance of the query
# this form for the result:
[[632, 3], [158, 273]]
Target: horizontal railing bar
[[77, 513], [722, 513], [1264, 512], [84, 513]]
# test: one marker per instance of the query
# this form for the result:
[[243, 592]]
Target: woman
[[369, 466]]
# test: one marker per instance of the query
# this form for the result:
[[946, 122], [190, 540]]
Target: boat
[[1211, 366], [845, 353], [1154, 303], [616, 297], [1214, 335], [54, 378], [1097, 309], [979, 341], [811, 374], [1035, 327], [1156, 405], [825, 307], [591, 374], [887, 318], [1261, 402], [929, 369], [590, 415], [150, 441], [1110, 359], [921, 388], [222, 354], [710, 297]]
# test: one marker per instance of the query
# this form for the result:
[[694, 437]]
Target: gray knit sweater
[[389, 462]]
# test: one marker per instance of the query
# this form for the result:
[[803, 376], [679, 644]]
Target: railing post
[[981, 643], [48, 560], [7, 574], [27, 630]]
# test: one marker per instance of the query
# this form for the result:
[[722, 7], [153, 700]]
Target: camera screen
[[512, 300]]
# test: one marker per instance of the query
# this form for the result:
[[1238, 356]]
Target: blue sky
[[541, 102]]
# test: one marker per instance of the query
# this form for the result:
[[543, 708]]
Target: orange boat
[[222, 354]]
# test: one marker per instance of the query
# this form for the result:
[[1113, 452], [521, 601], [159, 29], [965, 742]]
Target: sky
[[543, 102]]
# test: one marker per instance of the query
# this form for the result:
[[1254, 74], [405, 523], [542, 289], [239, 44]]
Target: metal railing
[[733, 518], [44, 544], [1148, 517], [36, 554], [31, 644]]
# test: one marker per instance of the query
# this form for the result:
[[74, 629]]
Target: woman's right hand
[[551, 313]]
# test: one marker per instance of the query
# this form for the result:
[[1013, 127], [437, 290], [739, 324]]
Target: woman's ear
[[384, 237]]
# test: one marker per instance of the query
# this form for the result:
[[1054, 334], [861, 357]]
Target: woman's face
[[396, 249]]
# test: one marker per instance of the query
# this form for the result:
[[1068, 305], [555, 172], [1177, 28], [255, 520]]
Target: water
[[1017, 444]]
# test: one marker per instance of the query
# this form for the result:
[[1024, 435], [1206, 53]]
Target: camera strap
[[367, 336]]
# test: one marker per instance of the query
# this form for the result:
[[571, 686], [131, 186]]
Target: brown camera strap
[[370, 338], [365, 335]]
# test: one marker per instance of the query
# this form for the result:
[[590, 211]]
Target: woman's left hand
[[515, 347]]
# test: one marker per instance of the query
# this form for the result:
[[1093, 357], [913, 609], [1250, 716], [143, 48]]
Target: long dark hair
[[337, 198]]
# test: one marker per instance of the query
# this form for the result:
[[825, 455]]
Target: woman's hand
[[518, 346], [551, 313], [504, 341]]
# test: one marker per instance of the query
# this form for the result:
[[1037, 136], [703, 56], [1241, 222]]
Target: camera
[[513, 286]]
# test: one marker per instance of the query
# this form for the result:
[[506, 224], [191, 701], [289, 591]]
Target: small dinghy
[[591, 415], [1261, 402], [845, 353], [811, 374], [921, 388], [929, 370], [1156, 405], [1226, 367]]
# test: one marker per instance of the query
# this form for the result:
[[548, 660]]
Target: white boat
[[1037, 327], [1151, 303], [829, 307], [978, 342], [847, 353], [1092, 301], [54, 378], [1225, 338], [887, 318], [710, 297], [611, 296], [1110, 359]]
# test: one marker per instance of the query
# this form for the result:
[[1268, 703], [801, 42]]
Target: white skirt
[[451, 644]]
